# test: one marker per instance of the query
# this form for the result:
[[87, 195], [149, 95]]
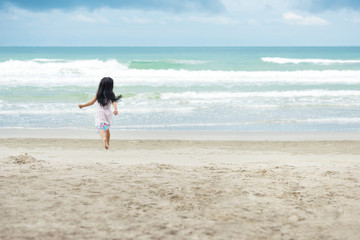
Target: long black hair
[[105, 92]]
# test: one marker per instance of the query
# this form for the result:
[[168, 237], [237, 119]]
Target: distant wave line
[[280, 60], [172, 61], [274, 94]]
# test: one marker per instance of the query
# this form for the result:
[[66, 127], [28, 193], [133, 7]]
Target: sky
[[180, 23]]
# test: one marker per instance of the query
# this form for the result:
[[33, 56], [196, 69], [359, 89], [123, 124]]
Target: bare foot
[[108, 137], [106, 144]]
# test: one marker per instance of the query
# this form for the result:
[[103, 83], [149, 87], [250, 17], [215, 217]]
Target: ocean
[[184, 88]]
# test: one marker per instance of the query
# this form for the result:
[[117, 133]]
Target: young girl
[[105, 98]]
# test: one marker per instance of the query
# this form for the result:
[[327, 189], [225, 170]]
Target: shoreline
[[66, 133]]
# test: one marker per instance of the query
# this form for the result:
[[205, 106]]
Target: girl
[[105, 98]]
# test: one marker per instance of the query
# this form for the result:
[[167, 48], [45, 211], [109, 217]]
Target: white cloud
[[293, 18], [356, 19], [82, 18], [253, 22], [220, 20], [83, 15], [15, 13], [290, 16], [244, 23], [138, 20], [256, 6]]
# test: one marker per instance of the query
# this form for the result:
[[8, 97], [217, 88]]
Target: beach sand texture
[[169, 189]]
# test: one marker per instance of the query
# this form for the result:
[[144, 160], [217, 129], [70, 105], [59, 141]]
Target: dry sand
[[172, 189]]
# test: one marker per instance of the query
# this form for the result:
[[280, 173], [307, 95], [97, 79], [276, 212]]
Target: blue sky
[[180, 23]]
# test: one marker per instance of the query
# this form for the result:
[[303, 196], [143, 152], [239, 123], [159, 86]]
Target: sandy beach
[[252, 187]]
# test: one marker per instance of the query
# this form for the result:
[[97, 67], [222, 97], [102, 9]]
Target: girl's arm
[[115, 108], [88, 104]]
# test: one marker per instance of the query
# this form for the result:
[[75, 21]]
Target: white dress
[[103, 116]]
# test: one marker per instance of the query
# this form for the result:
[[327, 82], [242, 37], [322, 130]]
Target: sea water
[[184, 88]]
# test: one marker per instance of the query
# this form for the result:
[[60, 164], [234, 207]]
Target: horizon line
[[178, 46]]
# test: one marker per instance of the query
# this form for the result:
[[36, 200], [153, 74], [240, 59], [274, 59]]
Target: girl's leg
[[108, 137], [103, 138]]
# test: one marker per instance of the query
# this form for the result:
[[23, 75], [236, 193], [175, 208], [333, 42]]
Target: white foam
[[39, 112], [159, 109], [175, 61], [190, 62], [269, 94], [44, 60], [187, 78], [280, 60], [185, 125], [329, 120], [54, 72], [242, 123]]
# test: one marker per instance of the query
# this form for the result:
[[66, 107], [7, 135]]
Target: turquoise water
[[192, 88]]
